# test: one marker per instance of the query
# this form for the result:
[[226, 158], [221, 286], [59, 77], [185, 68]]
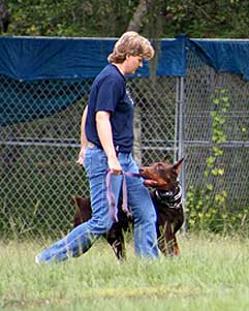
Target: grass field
[[211, 274]]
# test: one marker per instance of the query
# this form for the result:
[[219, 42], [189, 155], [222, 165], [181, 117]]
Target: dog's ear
[[177, 166]]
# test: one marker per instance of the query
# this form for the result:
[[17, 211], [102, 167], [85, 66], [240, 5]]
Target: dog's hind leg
[[115, 238]]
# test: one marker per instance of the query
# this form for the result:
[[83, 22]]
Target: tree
[[137, 19], [4, 17], [110, 18]]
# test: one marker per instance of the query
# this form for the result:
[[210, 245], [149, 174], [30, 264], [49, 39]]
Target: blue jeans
[[80, 239]]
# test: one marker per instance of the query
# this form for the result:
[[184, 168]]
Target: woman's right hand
[[114, 165]]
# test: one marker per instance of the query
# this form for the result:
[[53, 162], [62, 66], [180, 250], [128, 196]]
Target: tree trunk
[[4, 17], [136, 22]]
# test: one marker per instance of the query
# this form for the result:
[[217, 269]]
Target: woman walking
[[106, 144]]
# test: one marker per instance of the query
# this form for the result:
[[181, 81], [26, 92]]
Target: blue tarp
[[23, 101], [223, 55], [24, 61], [26, 58], [54, 58]]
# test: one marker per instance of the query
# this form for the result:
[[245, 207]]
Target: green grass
[[211, 274]]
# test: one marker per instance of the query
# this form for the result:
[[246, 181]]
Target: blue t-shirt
[[109, 93]]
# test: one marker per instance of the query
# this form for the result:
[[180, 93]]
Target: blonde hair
[[131, 43]]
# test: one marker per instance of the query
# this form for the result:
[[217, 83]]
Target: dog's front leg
[[169, 241]]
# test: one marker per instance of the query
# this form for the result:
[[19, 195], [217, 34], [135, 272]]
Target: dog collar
[[170, 198]]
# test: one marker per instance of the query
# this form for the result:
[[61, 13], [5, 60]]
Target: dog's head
[[161, 175]]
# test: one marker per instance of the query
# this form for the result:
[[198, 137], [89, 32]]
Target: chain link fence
[[39, 174], [204, 91], [38, 170]]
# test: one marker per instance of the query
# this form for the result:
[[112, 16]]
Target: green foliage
[[208, 207], [70, 17], [165, 18], [218, 18]]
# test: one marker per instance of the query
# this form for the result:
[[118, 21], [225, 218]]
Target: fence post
[[137, 136], [180, 110]]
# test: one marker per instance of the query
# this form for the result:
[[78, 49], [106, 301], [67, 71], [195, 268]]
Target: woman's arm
[[83, 139], [104, 130]]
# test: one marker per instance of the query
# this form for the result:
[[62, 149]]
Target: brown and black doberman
[[162, 178]]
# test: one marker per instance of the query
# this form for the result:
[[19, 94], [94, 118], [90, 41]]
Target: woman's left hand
[[81, 156]]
